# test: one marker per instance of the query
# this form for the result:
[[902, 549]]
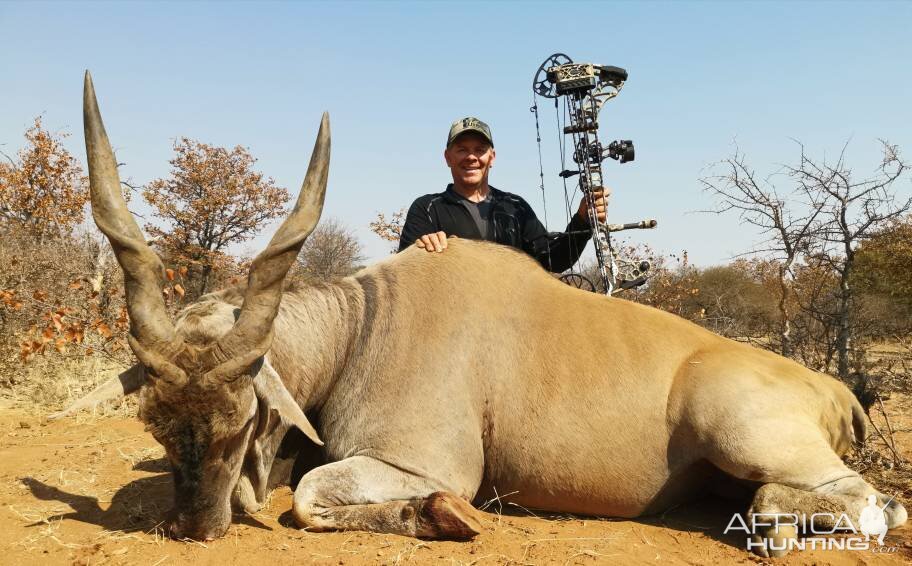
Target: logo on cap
[[469, 124]]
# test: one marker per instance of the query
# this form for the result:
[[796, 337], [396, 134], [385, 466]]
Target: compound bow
[[585, 88]]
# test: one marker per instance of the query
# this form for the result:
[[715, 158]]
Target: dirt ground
[[93, 490]]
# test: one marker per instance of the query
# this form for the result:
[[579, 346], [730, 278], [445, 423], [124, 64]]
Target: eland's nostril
[[180, 525], [179, 531]]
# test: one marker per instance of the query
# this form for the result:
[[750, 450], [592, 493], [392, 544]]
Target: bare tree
[[853, 210], [331, 251], [785, 224]]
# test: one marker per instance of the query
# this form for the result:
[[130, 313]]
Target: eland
[[436, 380]]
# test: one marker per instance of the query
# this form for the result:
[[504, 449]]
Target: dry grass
[[883, 460], [52, 383]]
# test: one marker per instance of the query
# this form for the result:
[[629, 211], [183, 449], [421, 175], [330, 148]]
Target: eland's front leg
[[362, 493]]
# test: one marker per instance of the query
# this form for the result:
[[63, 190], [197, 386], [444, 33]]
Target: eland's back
[[575, 401]]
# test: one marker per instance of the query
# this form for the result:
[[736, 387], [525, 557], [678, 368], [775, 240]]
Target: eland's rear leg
[[365, 494], [828, 509], [802, 476]]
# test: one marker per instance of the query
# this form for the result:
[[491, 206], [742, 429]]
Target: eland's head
[[199, 391]]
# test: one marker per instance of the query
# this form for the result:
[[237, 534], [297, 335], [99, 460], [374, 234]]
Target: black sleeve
[[556, 252], [418, 222]]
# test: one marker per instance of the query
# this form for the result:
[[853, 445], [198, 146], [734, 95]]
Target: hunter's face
[[469, 158]]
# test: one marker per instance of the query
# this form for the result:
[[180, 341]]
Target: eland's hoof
[[770, 543], [895, 512], [444, 515]]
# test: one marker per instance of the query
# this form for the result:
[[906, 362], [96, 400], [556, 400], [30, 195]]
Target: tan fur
[[476, 368], [473, 372]]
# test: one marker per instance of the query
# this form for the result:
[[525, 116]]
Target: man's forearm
[[566, 248]]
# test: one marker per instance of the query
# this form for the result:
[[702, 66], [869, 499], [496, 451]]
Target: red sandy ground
[[93, 490]]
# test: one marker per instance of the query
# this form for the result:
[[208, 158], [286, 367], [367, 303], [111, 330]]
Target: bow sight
[[585, 88]]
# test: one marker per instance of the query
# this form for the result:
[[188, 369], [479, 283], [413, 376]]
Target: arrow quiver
[[585, 88]]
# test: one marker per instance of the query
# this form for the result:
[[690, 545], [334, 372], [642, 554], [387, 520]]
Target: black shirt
[[512, 223], [481, 214]]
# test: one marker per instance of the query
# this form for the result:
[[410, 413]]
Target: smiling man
[[471, 208]]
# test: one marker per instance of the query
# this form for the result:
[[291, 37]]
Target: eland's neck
[[315, 331]]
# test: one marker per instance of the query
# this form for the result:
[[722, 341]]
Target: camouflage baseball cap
[[469, 124]]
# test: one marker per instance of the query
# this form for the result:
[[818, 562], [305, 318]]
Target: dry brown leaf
[[104, 330]]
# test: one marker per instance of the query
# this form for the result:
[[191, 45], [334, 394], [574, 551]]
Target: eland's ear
[[117, 387], [269, 388]]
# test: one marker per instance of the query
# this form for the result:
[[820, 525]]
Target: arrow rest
[[585, 88]]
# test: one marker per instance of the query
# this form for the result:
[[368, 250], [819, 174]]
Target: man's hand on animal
[[600, 197], [436, 242]]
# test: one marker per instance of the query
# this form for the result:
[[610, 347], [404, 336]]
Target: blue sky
[[393, 75]]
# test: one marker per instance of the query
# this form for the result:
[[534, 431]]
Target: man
[[470, 208]]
